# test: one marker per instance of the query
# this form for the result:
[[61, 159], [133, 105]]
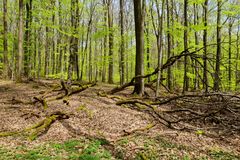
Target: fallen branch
[[40, 127], [42, 101], [68, 90]]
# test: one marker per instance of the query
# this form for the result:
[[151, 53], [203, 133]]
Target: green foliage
[[72, 149], [221, 155]]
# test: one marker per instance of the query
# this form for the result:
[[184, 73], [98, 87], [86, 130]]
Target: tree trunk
[[205, 33], [5, 41], [139, 10], [196, 66], [73, 49], [104, 44], [219, 49], [159, 43], [186, 69], [230, 53], [122, 47], [46, 62], [110, 28], [169, 47], [237, 57], [19, 69]]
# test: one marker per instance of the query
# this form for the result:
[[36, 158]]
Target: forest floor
[[96, 128]]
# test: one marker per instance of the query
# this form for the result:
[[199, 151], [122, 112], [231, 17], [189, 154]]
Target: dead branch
[[68, 90], [42, 101]]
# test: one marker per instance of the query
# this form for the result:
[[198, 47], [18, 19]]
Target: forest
[[120, 79]]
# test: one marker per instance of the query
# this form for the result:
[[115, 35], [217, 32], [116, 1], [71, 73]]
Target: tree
[[205, 34], [122, 45], [159, 34], [231, 21], [73, 63], [27, 36], [5, 41], [186, 79], [19, 62], [219, 47], [139, 10], [169, 46], [110, 41]]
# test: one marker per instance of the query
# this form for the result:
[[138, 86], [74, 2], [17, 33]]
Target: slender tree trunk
[[104, 44], [53, 50], [39, 56], [5, 41], [122, 47], [169, 47], [28, 44], [148, 48], [89, 28], [219, 49], [196, 69], [159, 37], [110, 28], [90, 71], [205, 33], [20, 44], [59, 41], [46, 62], [230, 54], [139, 9], [186, 69], [238, 56]]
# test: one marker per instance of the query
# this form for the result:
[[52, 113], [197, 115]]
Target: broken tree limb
[[40, 127], [169, 63], [42, 101], [68, 90]]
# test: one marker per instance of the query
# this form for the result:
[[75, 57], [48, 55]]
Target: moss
[[6, 134], [42, 126], [85, 109]]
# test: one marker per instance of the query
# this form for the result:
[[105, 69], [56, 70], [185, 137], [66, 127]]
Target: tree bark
[[139, 10], [110, 54], [205, 33], [219, 49], [5, 41], [122, 47], [19, 69], [186, 79], [169, 47], [230, 53]]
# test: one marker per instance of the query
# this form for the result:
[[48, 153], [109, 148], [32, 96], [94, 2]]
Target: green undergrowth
[[69, 150], [134, 147]]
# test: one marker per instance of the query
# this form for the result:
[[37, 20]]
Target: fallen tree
[[217, 111]]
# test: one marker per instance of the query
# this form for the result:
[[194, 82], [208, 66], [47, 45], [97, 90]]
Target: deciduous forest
[[120, 79]]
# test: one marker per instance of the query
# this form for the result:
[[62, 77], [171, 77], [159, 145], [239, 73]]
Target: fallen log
[[40, 127]]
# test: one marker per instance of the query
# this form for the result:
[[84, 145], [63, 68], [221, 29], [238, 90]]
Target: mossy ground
[[136, 148]]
